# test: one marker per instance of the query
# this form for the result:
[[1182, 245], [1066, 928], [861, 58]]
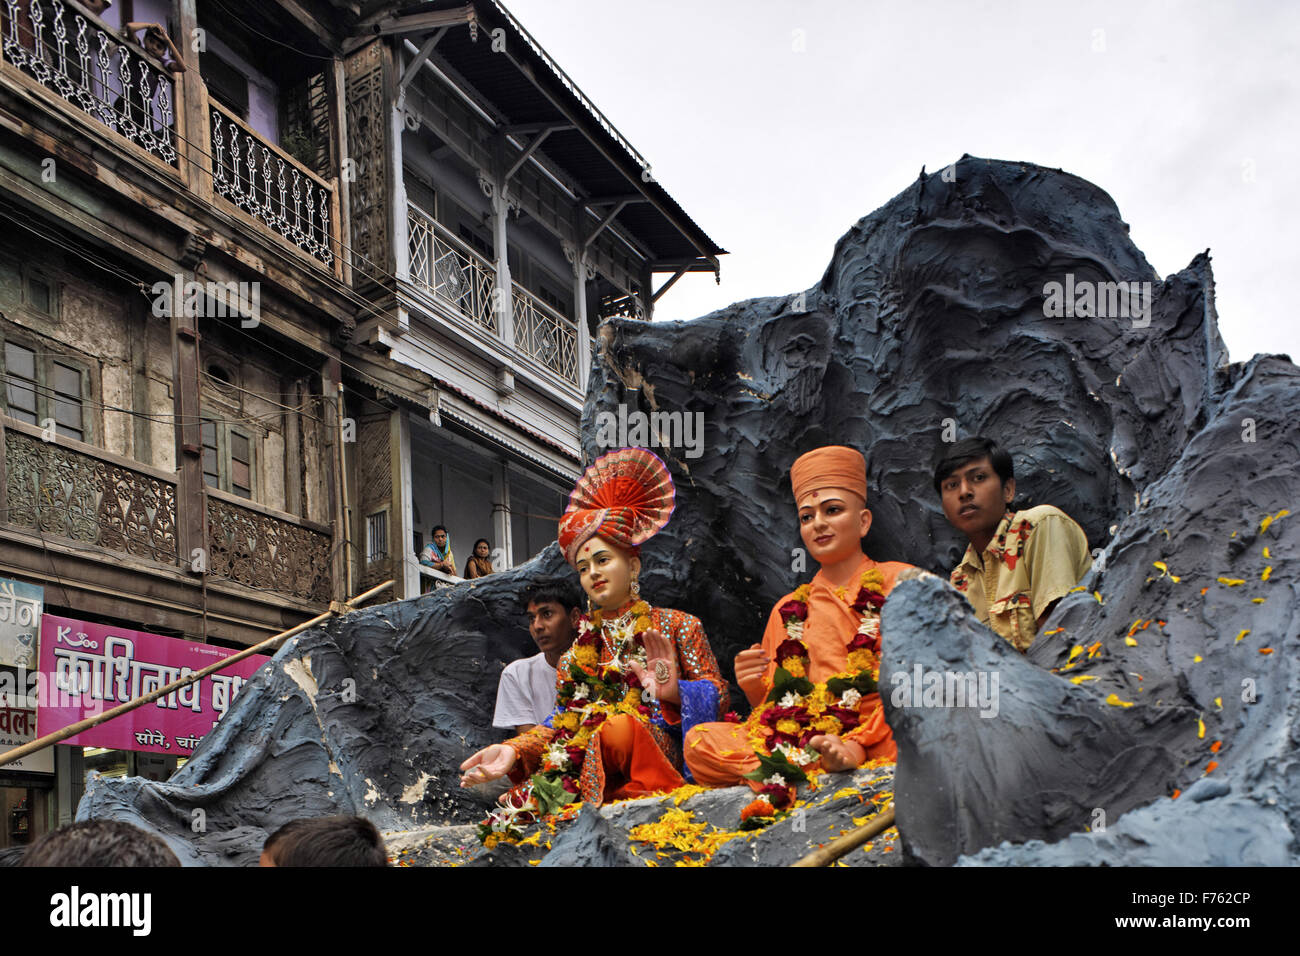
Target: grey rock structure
[[934, 316]]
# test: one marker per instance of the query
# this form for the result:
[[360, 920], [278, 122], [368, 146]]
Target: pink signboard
[[86, 669]]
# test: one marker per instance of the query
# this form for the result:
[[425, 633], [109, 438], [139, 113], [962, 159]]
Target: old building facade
[[284, 288]]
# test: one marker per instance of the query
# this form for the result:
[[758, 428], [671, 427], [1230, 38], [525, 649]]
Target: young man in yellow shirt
[[1017, 564]]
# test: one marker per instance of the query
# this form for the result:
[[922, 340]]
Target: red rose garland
[[796, 710]]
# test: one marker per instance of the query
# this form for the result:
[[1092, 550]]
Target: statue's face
[[605, 572], [832, 523]]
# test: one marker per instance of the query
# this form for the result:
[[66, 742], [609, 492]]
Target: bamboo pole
[[271, 643], [850, 841]]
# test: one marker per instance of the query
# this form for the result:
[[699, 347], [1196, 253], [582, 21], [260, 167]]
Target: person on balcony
[[158, 45], [437, 553], [480, 563]]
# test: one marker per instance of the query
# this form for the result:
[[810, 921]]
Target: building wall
[[109, 331]]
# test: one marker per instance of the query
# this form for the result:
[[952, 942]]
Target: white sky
[[1187, 116]]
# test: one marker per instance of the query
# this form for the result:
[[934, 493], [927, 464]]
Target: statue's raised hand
[[659, 675], [751, 672]]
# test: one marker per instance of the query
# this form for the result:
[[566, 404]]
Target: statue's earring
[[636, 589]]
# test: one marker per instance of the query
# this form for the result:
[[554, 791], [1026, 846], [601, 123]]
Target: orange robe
[[626, 757], [719, 755]]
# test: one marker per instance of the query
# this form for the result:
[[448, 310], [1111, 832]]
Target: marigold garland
[[796, 710], [590, 694]]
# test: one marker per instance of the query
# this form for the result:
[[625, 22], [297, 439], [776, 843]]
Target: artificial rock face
[[990, 304]]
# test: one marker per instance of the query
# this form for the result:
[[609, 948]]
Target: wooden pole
[[850, 841], [271, 643]]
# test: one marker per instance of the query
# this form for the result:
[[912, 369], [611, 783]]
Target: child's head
[[976, 483], [325, 841]]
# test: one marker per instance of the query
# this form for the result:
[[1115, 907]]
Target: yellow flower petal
[[1267, 571], [1081, 678], [1097, 595], [1231, 582], [1130, 642], [1265, 552], [1200, 728], [1258, 600], [1076, 651], [1218, 702], [1241, 636], [1079, 588], [1160, 566], [1263, 525], [1197, 659], [1114, 701]]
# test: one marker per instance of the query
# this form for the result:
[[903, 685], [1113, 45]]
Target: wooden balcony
[[72, 62], [274, 189], [85, 496], [70, 493], [62, 48], [265, 549]]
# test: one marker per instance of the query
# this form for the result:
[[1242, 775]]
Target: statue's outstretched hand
[[837, 753], [659, 675], [751, 669], [488, 764]]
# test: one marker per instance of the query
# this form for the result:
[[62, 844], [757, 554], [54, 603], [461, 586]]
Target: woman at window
[[480, 562]]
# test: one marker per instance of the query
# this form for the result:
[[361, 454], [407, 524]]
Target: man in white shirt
[[526, 693]]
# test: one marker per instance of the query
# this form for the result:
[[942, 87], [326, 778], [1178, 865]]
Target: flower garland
[[591, 693], [796, 710]]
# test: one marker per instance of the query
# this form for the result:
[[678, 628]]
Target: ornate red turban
[[625, 497], [833, 466]]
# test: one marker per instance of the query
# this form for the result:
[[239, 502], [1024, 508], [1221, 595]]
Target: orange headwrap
[[625, 497], [833, 466]]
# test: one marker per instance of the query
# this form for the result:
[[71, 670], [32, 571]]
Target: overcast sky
[[778, 124]]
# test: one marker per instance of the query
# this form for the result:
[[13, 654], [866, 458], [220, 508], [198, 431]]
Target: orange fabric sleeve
[[773, 635], [695, 661], [529, 748]]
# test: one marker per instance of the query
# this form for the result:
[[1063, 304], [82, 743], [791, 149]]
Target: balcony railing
[[431, 579], [459, 277], [78, 57], [271, 186], [56, 489], [248, 544], [446, 267], [545, 336]]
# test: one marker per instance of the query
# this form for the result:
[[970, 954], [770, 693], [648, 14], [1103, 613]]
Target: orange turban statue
[[625, 497], [833, 466]]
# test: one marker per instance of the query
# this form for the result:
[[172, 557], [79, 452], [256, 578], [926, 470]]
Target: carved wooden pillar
[[190, 500]]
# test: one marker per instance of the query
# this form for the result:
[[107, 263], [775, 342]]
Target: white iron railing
[[78, 56], [270, 185], [545, 336], [445, 266]]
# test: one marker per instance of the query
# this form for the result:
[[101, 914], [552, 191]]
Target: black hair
[[948, 458], [545, 590], [327, 841], [12, 855], [436, 529], [482, 541], [99, 843]]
